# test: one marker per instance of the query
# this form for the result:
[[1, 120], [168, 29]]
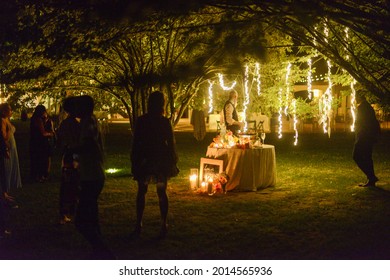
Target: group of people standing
[[154, 159]]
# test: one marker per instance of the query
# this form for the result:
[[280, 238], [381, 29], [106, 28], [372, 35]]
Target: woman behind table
[[154, 158], [39, 145], [11, 162]]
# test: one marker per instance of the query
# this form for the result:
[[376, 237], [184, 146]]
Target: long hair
[[156, 103], [39, 111], [4, 108]]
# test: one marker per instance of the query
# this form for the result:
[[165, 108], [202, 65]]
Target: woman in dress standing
[[153, 158], [11, 163], [39, 145]]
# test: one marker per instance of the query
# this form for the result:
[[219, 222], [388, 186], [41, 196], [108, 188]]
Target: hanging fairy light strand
[[353, 82], [287, 88], [211, 83], [222, 83], [309, 79], [257, 78], [246, 96], [294, 105], [346, 30], [280, 97], [353, 105], [327, 102]]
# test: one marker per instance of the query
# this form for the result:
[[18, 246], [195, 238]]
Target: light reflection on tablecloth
[[248, 169]]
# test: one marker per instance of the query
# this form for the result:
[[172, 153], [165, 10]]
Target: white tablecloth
[[248, 169]]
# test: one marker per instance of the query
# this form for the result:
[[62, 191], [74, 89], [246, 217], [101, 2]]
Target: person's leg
[[87, 220], [163, 203], [362, 155], [140, 205]]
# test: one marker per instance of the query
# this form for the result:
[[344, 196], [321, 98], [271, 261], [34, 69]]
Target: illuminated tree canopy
[[122, 50]]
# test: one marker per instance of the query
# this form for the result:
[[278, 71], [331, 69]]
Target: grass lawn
[[315, 211]]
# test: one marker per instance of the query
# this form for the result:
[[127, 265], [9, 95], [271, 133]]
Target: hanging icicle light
[[211, 83], [327, 102], [222, 83], [287, 88], [346, 30], [309, 80], [294, 105], [353, 92], [353, 104], [257, 78], [246, 96], [280, 97]]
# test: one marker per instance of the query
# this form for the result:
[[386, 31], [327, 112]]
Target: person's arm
[[4, 131], [40, 126]]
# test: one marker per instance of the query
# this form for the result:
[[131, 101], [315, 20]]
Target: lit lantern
[[210, 187], [203, 187], [193, 179]]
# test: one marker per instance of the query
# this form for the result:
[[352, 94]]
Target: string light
[[353, 92], [327, 102], [287, 87], [258, 81], [246, 96], [353, 104], [326, 32], [222, 83], [294, 105], [309, 79], [346, 30], [280, 95], [211, 96]]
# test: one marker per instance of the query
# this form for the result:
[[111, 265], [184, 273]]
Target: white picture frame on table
[[216, 165]]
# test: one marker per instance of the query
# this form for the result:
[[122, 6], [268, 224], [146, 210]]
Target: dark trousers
[[87, 213], [69, 190], [362, 155], [39, 164]]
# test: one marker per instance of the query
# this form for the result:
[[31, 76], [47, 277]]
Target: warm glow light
[[309, 79], [326, 103], [222, 83], [280, 113], [246, 96], [326, 32], [112, 170], [346, 30], [287, 88], [353, 104], [257, 78], [211, 96], [294, 105], [316, 93], [193, 181]]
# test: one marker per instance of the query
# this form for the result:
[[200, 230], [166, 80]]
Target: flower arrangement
[[224, 140], [216, 184], [220, 182]]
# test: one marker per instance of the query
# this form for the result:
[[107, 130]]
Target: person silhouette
[[153, 158], [92, 178], [367, 131]]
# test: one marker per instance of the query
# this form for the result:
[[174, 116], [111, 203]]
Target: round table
[[249, 169]]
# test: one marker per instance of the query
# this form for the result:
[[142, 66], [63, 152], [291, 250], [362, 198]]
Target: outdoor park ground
[[315, 211]]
